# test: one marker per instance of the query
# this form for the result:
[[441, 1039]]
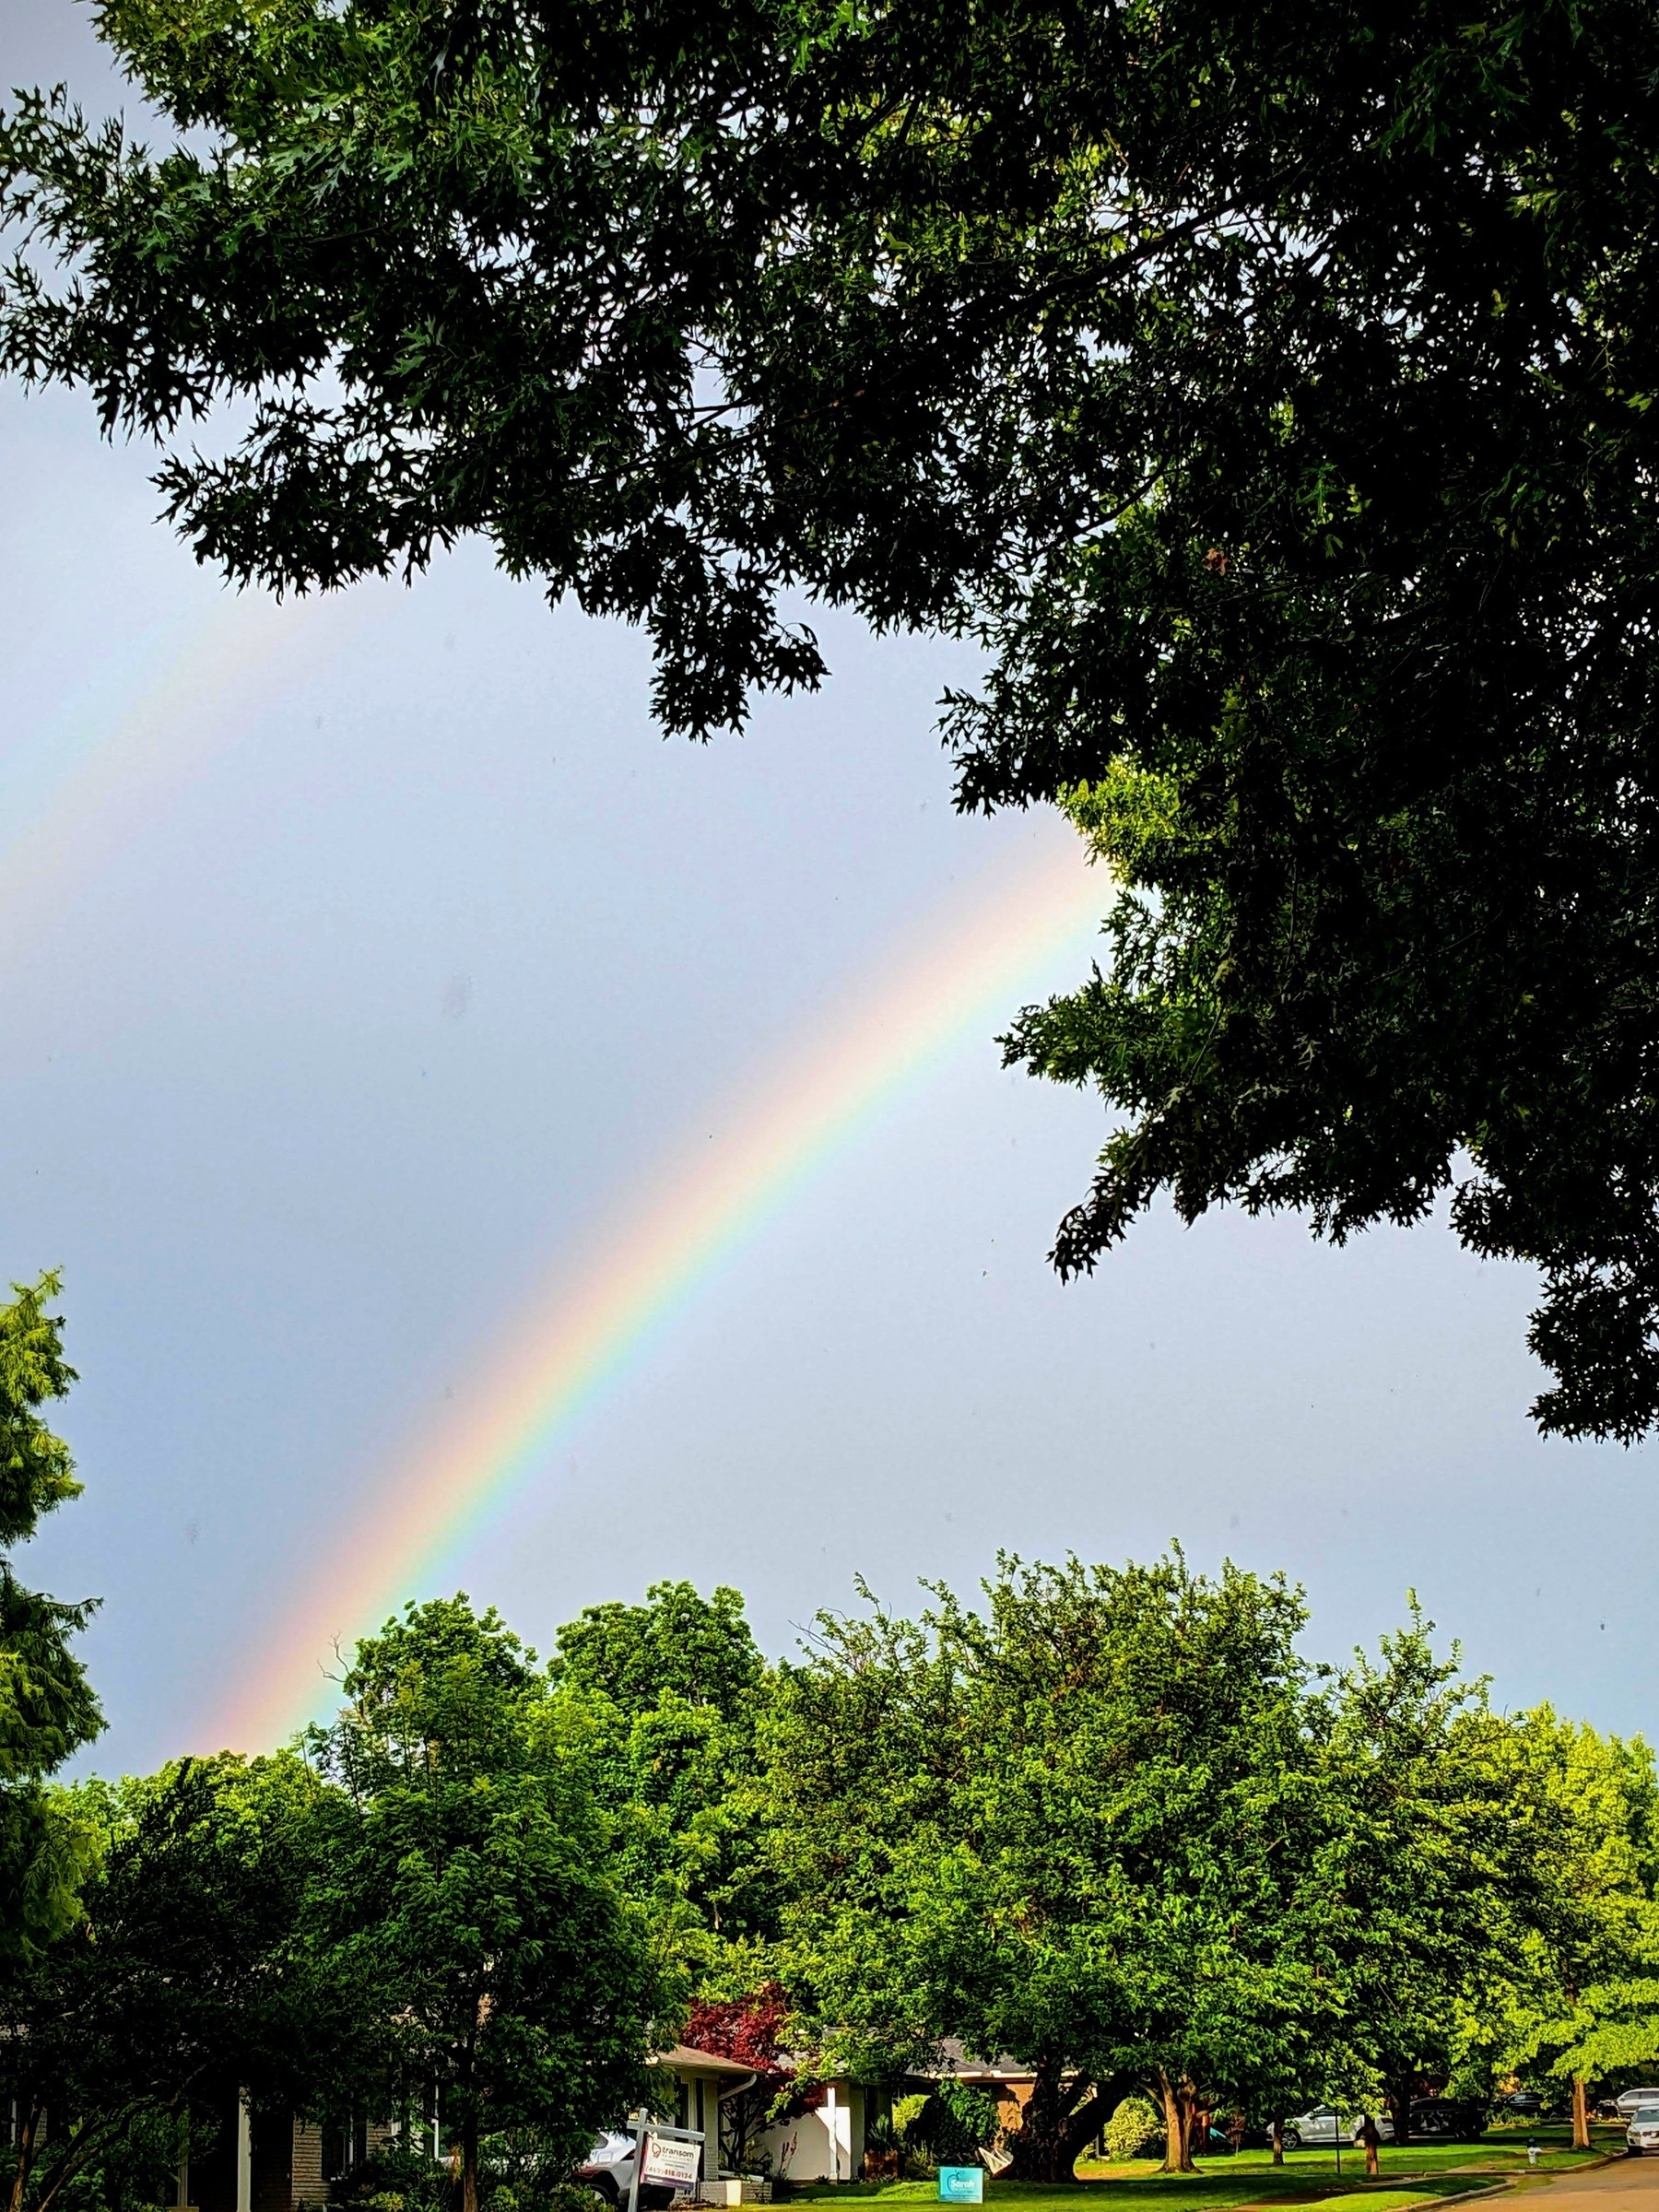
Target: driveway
[[1627, 2185]]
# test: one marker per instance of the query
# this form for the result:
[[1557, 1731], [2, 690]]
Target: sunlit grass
[[1418, 2174]]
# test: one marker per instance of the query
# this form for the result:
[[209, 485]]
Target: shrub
[[967, 2118], [947, 2126], [1131, 2128]]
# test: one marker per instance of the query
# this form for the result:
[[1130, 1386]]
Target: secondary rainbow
[[596, 1321], [114, 755]]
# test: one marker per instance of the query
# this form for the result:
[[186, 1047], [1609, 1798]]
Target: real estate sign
[[671, 2160]]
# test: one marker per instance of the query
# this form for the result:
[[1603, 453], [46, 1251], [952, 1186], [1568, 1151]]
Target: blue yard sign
[[962, 2184]]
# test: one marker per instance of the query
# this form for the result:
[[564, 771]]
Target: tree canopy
[[463, 1893], [1113, 1824], [1586, 1996], [1110, 1821], [1266, 388], [660, 1702], [1057, 1830], [677, 1643], [47, 1707], [185, 1973]]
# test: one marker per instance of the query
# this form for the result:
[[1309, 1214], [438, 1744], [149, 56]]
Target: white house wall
[[822, 2146]]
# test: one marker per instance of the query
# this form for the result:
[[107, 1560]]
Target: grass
[[1375, 2200], [1416, 2175]]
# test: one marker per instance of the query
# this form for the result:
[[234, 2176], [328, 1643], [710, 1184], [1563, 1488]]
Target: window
[[345, 2145]]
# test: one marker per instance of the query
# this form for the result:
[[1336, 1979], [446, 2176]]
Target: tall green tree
[[183, 1978], [1415, 1905], [677, 1643], [1071, 1827], [47, 1707], [467, 1896], [1588, 1839], [661, 1700], [1264, 384]]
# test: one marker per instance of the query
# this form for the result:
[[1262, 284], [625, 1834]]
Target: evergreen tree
[[47, 1707]]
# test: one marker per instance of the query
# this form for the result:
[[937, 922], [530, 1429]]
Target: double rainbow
[[595, 1323]]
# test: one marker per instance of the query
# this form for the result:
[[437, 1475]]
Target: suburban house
[[827, 2144], [273, 2161], [1004, 2080], [277, 2162], [823, 2145], [701, 2080]]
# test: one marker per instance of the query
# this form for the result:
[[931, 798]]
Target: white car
[[1643, 2130], [1325, 2124], [1634, 2099], [1319, 2126], [608, 2169]]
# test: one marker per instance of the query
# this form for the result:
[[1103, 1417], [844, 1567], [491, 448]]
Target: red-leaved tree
[[750, 2031]]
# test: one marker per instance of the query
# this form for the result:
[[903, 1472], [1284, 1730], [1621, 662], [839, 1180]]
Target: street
[[1627, 2185]]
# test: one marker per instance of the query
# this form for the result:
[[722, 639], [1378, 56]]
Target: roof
[[957, 2064], [684, 2058]]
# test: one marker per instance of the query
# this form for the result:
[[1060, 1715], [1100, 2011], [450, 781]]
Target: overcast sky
[[356, 964]]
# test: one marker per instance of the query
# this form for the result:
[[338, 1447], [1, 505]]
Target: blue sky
[[336, 1010]]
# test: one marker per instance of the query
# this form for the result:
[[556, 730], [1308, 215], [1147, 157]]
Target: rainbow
[[594, 1323], [75, 792]]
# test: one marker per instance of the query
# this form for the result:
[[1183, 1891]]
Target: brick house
[[273, 2161]]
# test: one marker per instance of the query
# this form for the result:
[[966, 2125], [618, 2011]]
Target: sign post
[[668, 2158]]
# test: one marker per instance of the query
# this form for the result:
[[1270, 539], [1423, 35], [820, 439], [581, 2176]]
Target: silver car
[[1325, 2124], [1634, 2099], [1643, 2130]]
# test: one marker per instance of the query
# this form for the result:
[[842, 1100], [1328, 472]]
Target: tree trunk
[[1087, 2123], [1278, 2142], [1398, 2098], [29, 2120], [1368, 2136], [1178, 2101], [469, 2163], [1580, 2115], [1064, 2110], [84, 2147]]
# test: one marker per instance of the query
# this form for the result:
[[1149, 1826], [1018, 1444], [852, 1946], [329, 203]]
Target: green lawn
[[1416, 2175]]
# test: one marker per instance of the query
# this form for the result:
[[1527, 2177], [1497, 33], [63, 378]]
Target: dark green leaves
[[1268, 389], [47, 1708], [466, 1907]]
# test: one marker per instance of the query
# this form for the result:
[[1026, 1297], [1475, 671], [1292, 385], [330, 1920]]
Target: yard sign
[[673, 2159]]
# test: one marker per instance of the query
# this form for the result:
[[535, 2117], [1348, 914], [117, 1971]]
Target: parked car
[[1527, 2101], [1643, 2134], [1447, 2119], [609, 2172], [1634, 2099], [1325, 2124]]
